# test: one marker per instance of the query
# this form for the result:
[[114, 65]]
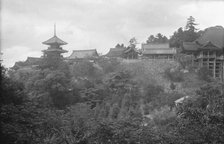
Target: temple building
[[129, 52], [208, 51], [158, 51], [115, 52], [54, 50], [79, 55]]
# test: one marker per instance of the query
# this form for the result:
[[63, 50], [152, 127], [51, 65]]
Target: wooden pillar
[[222, 71], [214, 68]]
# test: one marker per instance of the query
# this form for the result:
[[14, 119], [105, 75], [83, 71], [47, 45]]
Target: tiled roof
[[209, 45], [212, 38], [128, 49], [156, 45], [81, 54], [190, 46], [32, 60], [54, 40], [159, 51], [115, 52], [213, 34], [55, 49]]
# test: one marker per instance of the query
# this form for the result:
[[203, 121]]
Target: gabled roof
[[128, 49], [32, 60], [155, 45], [115, 52], [159, 51], [83, 54], [54, 40], [212, 39], [190, 46], [209, 46], [157, 48], [215, 35]]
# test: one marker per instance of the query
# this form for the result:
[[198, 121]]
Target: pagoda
[[54, 50]]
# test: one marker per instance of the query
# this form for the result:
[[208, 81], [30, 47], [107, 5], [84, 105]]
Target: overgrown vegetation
[[205, 74], [174, 75], [66, 106]]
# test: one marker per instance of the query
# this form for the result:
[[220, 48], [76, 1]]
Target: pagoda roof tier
[[54, 40], [55, 50]]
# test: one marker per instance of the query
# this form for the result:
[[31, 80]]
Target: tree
[[12, 92], [150, 39], [159, 38], [200, 119], [133, 42], [190, 26], [176, 40], [117, 46], [190, 34], [120, 46]]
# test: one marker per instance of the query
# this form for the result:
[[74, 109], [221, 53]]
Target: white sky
[[95, 24]]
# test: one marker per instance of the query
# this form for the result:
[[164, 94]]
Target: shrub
[[164, 116], [83, 69], [174, 76], [201, 120], [152, 91], [205, 74], [172, 86], [184, 60], [12, 92], [109, 65]]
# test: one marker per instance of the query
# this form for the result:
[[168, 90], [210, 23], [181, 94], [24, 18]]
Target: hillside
[[152, 71]]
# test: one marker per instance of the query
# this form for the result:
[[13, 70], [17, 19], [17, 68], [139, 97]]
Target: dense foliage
[[48, 106], [159, 38], [189, 34]]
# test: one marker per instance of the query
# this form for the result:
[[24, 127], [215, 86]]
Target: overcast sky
[[95, 24]]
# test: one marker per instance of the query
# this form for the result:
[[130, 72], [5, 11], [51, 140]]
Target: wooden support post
[[214, 69]]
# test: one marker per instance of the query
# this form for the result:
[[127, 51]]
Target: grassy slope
[[152, 71]]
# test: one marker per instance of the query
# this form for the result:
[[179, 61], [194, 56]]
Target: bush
[[12, 92], [174, 76], [83, 69], [152, 91], [184, 60], [109, 65], [205, 74], [164, 116], [201, 120]]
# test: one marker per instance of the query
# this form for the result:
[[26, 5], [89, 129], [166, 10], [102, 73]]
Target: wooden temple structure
[[158, 51], [208, 51], [79, 55], [129, 52]]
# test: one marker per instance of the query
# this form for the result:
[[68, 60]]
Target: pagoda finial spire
[[54, 29]]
